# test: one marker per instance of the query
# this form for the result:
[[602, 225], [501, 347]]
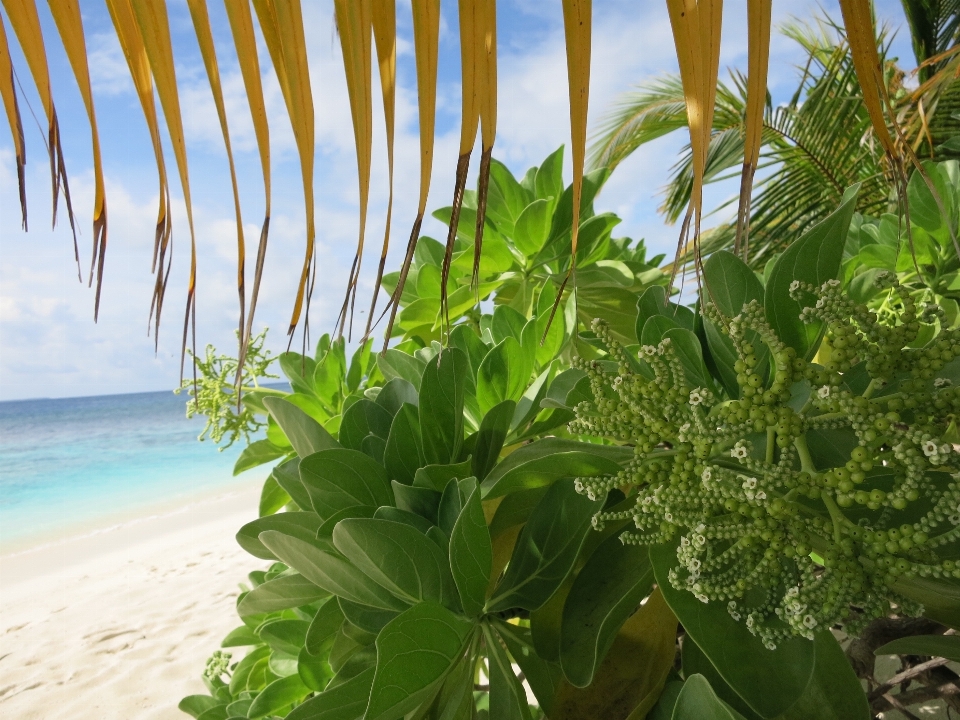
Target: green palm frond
[[813, 147]]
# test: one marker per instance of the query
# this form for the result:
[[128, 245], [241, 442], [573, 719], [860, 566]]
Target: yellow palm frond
[[355, 22], [66, 14], [758, 49], [201, 25], [9, 94], [154, 28], [426, 40], [142, 28], [26, 25], [282, 26], [241, 25], [385, 35], [128, 34]]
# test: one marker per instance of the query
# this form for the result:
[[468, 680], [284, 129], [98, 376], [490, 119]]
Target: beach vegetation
[[678, 524]]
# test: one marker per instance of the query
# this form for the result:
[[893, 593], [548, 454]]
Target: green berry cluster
[[803, 502]]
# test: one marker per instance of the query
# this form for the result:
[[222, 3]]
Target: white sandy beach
[[118, 623]]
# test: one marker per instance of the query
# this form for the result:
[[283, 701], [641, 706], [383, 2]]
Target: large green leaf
[[414, 653], [345, 701], [532, 227], [363, 418], [508, 699], [395, 393], [286, 591], [303, 525], [397, 557], [563, 215], [506, 198], [339, 479], [834, 691], [404, 451], [196, 705], [368, 619], [632, 675], [545, 461], [686, 345], [471, 555], [273, 498], [328, 571], [695, 662], [698, 701], [945, 646], [305, 434], [493, 431], [940, 598], [284, 635], [814, 258], [544, 677], [287, 475], [723, 353], [546, 548], [258, 453], [655, 328], [503, 374], [770, 681], [299, 370], [730, 283], [323, 627], [924, 209], [441, 406], [395, 363], [420, 500], [278, 696], [606, 592]]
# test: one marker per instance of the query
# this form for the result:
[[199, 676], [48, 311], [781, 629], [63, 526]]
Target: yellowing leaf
[[426, 40], [201, 25], [151, 17], [128, 34], [241, 25], [66, 14], [631, 677], [385, 35], [26, 25], [758, 50], [282, 26], [354, 21], [9, 95]]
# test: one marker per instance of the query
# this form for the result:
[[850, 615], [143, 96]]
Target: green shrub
[[760, 469]]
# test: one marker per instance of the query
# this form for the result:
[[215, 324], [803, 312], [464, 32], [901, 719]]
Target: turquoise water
[[69, 462]]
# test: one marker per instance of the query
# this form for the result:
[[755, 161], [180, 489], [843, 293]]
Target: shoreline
[[117, 622], [160, 516]]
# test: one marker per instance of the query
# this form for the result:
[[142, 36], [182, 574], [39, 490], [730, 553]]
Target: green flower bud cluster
[[217, 664], [805, 501]]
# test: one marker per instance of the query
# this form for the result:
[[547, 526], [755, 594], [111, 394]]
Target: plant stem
[[806, 462], [871, 388], [835, 514], [771, 437]]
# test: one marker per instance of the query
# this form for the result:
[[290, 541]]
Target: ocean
[[70, 463]]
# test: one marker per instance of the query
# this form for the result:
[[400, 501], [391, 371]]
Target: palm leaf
[[128, 34], [154, 28], [385, 35], [241, 25], [26, 25], [426, 36], [282, 27], [9, 95], [201, 25], [355, 24], [724, 123]]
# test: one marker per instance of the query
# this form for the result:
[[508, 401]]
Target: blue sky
[[49, 345]]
